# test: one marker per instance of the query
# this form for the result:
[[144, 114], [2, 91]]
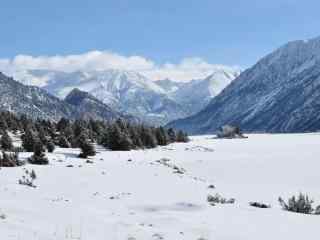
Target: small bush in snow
[[259, 205], [28, 178], [300, 204], [317, 211], [218, 199]]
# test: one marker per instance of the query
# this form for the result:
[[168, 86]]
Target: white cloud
[[187, 69]]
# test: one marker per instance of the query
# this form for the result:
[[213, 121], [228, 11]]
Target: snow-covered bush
[[228, 131], [28, 178], [218, 199], [259, 205], [300, 204]]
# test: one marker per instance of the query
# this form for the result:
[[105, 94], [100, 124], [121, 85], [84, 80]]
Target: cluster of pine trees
[[39, 136]]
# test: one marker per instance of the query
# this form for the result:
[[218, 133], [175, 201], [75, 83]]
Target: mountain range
[[156, 102], [280, 93], [36, 102]]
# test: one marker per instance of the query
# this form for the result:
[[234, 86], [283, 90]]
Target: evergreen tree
[[182, 137], [29, 139], [135, 137], [50, 146], [39, 156], [62, 124], [63, 142], [6, 141], [172, 135], [87, 149], [117, 140], [3, 124], [162, 136], [148, 138]]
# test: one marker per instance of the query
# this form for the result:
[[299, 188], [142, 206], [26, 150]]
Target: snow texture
[[142, 195]]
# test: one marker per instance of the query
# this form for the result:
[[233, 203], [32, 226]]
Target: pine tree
[[6, 141], [182, 137], [3, 124], [117, 140], [162, 137], [87, 148], [29, 139], [172, 135], [39, 156], [63, 142], [148, 138], [50, 146]]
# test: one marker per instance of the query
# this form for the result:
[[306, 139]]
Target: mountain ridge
[[280, 93]]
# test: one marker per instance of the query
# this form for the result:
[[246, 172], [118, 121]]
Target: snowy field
[[132, 195]]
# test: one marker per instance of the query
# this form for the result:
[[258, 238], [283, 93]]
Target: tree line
[[39, 136]]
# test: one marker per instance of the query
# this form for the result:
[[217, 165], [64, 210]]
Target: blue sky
[[221, 32]]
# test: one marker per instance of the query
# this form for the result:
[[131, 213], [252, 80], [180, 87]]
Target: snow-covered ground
[[131, 195]]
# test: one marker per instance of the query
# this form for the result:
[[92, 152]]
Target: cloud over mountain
[[185, 70]]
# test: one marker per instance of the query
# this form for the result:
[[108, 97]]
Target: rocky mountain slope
[[196, 95], [38, 103], [88, 107], [32, 101], [281, 93]]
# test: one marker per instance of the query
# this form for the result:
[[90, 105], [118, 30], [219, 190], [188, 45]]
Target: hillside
[[281, 93]]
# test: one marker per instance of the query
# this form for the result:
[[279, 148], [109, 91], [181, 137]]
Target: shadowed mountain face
[[88, 107], [32, 101], [281, 93]]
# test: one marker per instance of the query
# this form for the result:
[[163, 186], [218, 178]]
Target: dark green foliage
[[39, 156], [172, 135], [50, 146], [3, 124], [300, 204], [148, 137], [6, 141], [87, 149], [119, 135], [63, 142], [162, 136], [29, 139], [182, 137], [117, 140]]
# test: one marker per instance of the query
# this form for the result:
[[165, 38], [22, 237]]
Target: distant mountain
[[196, 95], [124, 91], [169, 86], [88, 107], [32, 101], [281, 93], [156, 102]]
